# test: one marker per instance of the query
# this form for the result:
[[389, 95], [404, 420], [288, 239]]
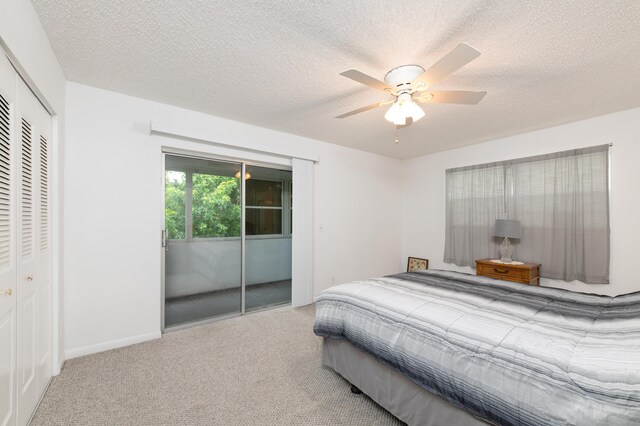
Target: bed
[[446, 348]]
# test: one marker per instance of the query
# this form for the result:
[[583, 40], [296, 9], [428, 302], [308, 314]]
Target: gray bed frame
[[390, 389]]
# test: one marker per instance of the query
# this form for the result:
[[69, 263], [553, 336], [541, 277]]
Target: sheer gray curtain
[[476, 197], [560, 199]]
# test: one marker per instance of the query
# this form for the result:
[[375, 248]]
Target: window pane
[[175, 195], [263, 221], [264, 193], [215, 206]]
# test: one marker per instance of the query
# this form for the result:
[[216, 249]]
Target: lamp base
[[506, 250]]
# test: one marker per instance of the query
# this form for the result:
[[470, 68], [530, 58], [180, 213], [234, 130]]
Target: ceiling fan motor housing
[[402, 76]]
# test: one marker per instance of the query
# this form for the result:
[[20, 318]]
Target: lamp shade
[[395, 115], [507, 228], [403, 108], [411, 109]]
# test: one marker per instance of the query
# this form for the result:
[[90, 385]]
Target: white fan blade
[[408, 123], [365, 79], [456, 59], [450, 97], [363, 109]]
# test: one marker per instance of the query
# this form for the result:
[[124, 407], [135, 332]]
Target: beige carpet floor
[[260, 369]]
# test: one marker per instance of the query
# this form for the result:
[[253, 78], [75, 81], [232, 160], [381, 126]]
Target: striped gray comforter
[[508, 353]]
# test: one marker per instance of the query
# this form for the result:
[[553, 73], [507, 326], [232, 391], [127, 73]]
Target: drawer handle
[[500, 271]]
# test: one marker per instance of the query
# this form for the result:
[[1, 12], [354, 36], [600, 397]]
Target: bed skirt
[[391, 390]]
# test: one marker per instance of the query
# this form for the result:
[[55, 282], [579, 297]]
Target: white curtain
[[560, 199], [302, 236]]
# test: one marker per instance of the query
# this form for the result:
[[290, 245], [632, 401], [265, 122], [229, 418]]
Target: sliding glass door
[[203, 218], [227, 239]]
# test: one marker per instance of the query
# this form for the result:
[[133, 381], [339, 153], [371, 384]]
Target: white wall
[[424, 191], [357, 216], [25, 42], [113, 215]]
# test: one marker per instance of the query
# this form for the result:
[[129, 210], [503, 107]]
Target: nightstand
[[527, 273]]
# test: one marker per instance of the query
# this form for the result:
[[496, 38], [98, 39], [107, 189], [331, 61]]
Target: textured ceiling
[[276, 64]]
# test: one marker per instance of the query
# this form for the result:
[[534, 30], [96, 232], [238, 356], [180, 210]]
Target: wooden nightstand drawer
[[527, 273], [500, 272]]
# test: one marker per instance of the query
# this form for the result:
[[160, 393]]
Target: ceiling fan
[[409, 83]]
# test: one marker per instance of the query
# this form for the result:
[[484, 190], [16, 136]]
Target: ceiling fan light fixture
[[403, 108], [396, 115], [414, 111]]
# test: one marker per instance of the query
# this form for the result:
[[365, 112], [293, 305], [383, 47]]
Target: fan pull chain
[[396, 140]]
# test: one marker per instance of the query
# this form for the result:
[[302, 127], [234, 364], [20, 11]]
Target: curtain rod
[[557, 154]]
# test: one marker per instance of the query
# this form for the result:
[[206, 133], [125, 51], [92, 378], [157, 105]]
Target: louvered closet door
[[43, 248], [28, 119], [8, 150]]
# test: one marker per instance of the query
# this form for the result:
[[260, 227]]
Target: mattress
[[505, 352]]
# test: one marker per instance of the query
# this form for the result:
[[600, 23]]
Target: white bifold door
[[25, 254]]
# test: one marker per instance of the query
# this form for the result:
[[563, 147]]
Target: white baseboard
[[57, 369], [113, 344]]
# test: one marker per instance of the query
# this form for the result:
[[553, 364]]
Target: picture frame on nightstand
[[417, 264]]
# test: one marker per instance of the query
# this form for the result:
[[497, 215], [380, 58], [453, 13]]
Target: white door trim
[[176, 131]]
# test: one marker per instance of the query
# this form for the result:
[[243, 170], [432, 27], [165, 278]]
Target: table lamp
[[506, 228]]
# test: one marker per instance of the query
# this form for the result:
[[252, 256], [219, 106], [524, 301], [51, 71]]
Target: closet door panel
[[43, 273], [27, 235], [8, 150], [7, 367]]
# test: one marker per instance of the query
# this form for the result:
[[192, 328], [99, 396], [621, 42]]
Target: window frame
[[285, 207], [286, 211]]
